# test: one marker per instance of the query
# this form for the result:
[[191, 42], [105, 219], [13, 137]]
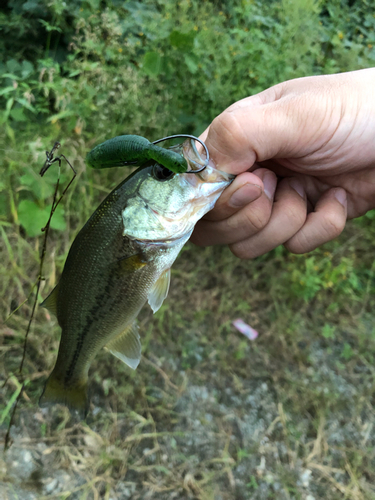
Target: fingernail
[[340, 195], [269, 183], [244, 195], [297, 186]]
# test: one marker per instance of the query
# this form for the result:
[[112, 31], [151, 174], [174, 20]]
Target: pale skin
[[304, 155]]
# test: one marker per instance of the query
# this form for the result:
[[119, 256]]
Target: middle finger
[[288, 216]]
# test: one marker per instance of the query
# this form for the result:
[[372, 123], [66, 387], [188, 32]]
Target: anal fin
[[127, 346]]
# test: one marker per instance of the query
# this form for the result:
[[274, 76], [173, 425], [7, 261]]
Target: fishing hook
[[195, 139]]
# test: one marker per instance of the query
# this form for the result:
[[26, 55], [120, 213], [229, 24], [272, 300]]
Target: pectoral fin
[[132, 263], [127, 346], [159, 291], [50, 302]]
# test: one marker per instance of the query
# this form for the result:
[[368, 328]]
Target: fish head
[[165, 206]]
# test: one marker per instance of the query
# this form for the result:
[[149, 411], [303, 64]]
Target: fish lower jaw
[[165, 242]]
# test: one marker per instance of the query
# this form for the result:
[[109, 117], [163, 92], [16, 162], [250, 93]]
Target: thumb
[[280, 122]]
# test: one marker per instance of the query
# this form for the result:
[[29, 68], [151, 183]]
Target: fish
[[120, 260]]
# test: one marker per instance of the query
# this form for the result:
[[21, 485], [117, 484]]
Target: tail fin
[[73, 396]]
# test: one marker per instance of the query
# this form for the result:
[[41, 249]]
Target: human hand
[[317, 135]]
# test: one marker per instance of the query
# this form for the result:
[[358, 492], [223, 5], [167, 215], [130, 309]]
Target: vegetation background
[[208, 415]]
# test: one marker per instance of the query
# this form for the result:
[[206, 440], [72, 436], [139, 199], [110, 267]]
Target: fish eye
[[161, 173]]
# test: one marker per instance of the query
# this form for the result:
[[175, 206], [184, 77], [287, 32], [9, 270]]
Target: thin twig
[[50, 160]]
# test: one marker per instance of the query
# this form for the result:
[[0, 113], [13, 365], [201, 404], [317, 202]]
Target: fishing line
[[195, 139]]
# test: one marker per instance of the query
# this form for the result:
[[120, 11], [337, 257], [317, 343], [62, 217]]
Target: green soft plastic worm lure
[[137, 150]]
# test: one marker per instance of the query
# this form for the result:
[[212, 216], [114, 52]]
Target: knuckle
[[333, 225], [296, 216], [298, 244], [251, 220], [240, 250], [227, 127], [257, 219]]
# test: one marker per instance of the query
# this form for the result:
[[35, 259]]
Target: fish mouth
[[205, 186], [203, 200], [169, 217], [196, 161]]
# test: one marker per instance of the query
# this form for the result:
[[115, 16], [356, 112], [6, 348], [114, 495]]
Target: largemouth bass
[[120, 260]]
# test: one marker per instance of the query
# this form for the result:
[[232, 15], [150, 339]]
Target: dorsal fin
[[127, 346], [159, 291], [50, 302]]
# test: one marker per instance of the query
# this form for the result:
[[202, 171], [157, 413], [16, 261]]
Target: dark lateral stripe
[[91, 317]]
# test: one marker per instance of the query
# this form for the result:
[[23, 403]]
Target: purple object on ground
[[245, 329]]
